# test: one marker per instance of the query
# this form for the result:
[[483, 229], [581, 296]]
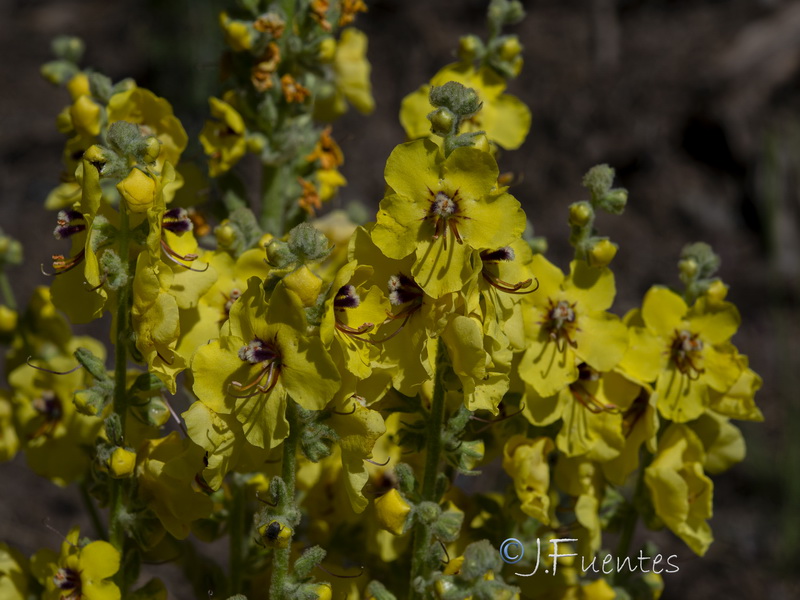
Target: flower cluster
[[312, 389]]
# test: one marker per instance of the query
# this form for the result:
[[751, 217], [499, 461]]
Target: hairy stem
[[422, 532], [273, 184], [118, 500], [280, 558]]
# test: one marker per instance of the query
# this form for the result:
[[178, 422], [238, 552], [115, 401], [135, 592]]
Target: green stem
[[99, 528], [273, 184], [280, 557], [5, 287], [422, 531], [118, 496]]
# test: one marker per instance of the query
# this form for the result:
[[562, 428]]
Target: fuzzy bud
[[510, 48], [462, 101], [308, 243], [580, 214], [443, 121], [470, 48]]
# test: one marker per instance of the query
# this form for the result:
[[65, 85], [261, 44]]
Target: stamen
[[505, 254], [377, 464], [176, 258], [403, 289], [360, 573], [685, 351], [30, 364], [62, 265]]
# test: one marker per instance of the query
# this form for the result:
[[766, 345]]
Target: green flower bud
[[91, 401], [377, 591], [69, 48], [614, 201], [580, 214], [91, 363], [510, 48], [448, 526], [405, 478], [706, 260], [101, 86], [58, 72], [462, 101], [308, 561], [479, 558], [225, 234], [443, 121], [279, 255], [598, 181], [470, 48], [428, 512], [308, 243]]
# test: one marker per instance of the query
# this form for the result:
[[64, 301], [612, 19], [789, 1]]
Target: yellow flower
[[682, 493], [505, 118], [86, 115], [686, 351], [566, 325], [351, 72], [237, 33], [443, 210], [223, 139], [79, 571], [166, 471], [13, 574], [526, 462], [154, 117]]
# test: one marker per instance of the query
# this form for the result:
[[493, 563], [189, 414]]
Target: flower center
[[230, 299], [560, 323], [583, 394], [686, 351], [445, 212], [258, 351], [347, 297], [50, 408], [268, 357], [443, 205], [68, 580], [177, 221]]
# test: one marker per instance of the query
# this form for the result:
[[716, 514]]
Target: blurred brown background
[[696, 103]]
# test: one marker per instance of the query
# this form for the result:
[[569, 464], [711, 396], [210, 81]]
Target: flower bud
[[152, 148], [122, 463], [717, 291], [322, 590], [602, 253], [85, 114], [428, 512], [580, 214], [470, 48], [614, 201], [78, 86], [443, 121], [279, 255], [8, 319], [510, 48], [225, 234], [688, 268], [68, 48], [308, 243], [392, 512], [139, 190]]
